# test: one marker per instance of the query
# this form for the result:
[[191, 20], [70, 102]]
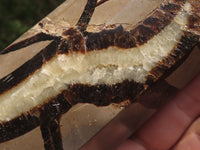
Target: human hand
[[167, 129]]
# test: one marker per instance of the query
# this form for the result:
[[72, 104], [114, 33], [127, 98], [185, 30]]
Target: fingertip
[[131, 145], [191, 142]]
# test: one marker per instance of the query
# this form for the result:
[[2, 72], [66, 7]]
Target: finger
[[191, 139], [166, 127], [191, 142]]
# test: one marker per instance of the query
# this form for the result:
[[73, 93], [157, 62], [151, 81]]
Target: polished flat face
[[106, 66], [95, 63]]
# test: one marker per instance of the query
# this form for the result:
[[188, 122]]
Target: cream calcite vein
[[108, 66]]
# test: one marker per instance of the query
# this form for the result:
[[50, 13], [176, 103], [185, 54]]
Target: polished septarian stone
[[101, 65]]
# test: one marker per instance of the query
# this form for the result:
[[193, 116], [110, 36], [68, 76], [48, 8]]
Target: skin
[[176, 126]]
